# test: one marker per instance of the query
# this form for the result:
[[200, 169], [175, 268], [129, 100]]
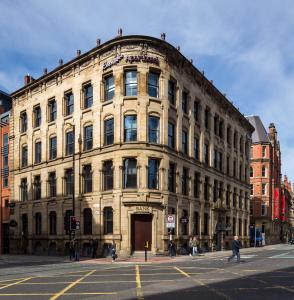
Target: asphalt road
[[264, 273]]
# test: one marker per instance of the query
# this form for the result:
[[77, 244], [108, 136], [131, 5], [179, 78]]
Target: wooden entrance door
[[141, 231]]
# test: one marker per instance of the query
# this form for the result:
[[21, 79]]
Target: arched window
[[52, 223], [251, 172], [38, 223], [87, 221], [108, 220]]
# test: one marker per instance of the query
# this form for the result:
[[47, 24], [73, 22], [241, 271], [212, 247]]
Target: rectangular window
[[109, 87], [215, 191], [52, 107], [87, 175], [185, 102], [69, 143], [263, 209], [171, 178], [53, 147], [235, 140], [196, 185], [263, 189], [229, 138], [108, 131], [184, 222], [234, 168], [235, 197], [108, 175], [228, 193], [196, 223], [263, 151], [228, 165], [37, 116], [185, 142], [196, 148], [68, 103], [130, 125], [206, 118], [240, 227], [251, 208], [251, 189], [23, 122], [153, 129], [68, 178], [196, 111], [37, 187], [38, 153], [38, 223], [52, 223], [23, 190], [153, 84], [206, 153], [215, 159], [130, 83], [221, 129], [206, 224], [216, 121], [108, 220], [185, 181], [153, 174], [130, 173], [88, 137], [24, 156], [171, 135], [52, 184], [206, 189], [88, 95], [172, 92]]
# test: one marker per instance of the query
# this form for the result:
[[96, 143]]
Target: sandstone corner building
[[145, 135]]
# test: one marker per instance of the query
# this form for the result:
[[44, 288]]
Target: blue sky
[[245, 47]]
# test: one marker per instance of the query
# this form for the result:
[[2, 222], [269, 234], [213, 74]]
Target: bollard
[[146, 248]]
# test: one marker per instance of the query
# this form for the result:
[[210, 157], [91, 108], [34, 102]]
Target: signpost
[[171, 221]]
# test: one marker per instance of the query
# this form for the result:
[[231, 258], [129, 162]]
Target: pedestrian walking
[[77, 250], [236, 245], [95, 247], [71, 250], [113, 252], [194, 246], [171, 248], [190, 245]]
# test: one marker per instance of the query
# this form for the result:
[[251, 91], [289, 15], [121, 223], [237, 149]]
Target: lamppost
[[73, 171]]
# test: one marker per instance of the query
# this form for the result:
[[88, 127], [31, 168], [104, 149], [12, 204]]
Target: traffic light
[[73, 223]]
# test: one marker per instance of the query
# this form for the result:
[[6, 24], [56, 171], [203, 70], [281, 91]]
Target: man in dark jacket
[[236, 245]]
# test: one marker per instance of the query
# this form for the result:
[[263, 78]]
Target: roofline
[[4, 93], [118, 39]]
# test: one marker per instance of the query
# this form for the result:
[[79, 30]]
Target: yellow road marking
[[71, 285], [285, 288], [50, 294], [14, 279], [93, 282], [202, 283], [15, 283], [138, 284]]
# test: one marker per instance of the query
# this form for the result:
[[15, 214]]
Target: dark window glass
[[37, 116], [69, 143], [171, 135], [185, 142], [38, 153], [171, 92], [206, 224], [108, 131], [23, 190], [130, 125], [109, 87], [153, 129], [171, 178], [215, 191], [88, 137], [153, 85], [206, 189], [108, 220], [88, 95], [131, 83], [196, 223], [68, 182], [24, 156], [185, 224], [196, 185], [185, 181], [38, 223], [229, 135], [216, 122], [185, 102], [228, 193], [206, 118], [52, 223], [69, 103], [206, 154], [108, 175], [52, 110], [221, 129], [87, 214], [37, 187], [196, 111], [23, 122], [196, 148], [67, 216], [235, 140], [130, 173], [53, 147], [52, 184], [153, 174], [87, 174]]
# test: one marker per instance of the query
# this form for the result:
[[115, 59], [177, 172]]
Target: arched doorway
[[141, 231]]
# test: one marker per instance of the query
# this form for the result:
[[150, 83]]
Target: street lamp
[[73, 167]]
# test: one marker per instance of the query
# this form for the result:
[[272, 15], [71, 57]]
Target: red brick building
[[5, 105], [286, 209], [265, 180]]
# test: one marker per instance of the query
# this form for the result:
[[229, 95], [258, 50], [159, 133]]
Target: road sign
[[171, 221]]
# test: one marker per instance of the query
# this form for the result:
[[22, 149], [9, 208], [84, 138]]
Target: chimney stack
[[78, 53], [163, 36], [98, 42], [60, 62], [119, 32], [45, 71], [28, 79]]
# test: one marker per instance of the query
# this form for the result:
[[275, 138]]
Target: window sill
[[86, 110], [107, 102], [36, 129], [23, 133], [130, 98], [68, 117], [51, 123], [155, 99]]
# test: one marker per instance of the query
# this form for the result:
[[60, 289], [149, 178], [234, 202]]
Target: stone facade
[[171, 172]]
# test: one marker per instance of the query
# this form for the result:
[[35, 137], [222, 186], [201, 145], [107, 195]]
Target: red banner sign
[[276, 204]]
